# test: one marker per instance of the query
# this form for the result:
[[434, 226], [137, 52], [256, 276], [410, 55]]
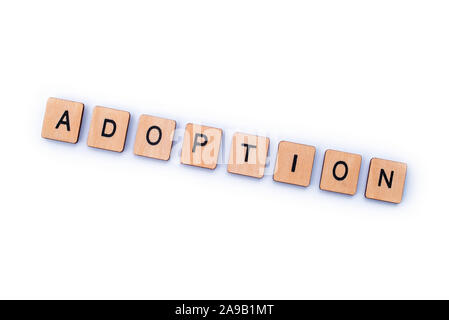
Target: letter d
[[114, 127]]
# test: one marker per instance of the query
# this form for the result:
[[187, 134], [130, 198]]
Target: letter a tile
[[386, 180], [62, 120], [108, 129], [340, 172], [201, 146], [248, 155], [154, 137]]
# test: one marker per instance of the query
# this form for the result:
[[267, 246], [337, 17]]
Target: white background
[[369, 77]]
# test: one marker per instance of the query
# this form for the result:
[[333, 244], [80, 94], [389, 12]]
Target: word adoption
[[201, 145]]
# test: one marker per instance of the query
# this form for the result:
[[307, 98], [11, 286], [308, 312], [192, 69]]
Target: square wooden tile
[[62, 120], [386, 180], [294, 163], [108, 129], [248, 155], [154, 137], [201, 146], [340, 172]]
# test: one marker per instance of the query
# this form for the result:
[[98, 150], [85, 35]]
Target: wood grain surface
[[248, 155], [108, 129], [62, 120], [201, 146], [340, 172], [154, 137], [294, 163], [386, 180]]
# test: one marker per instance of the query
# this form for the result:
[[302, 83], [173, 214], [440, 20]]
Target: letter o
[[153, 143], [334, 171]]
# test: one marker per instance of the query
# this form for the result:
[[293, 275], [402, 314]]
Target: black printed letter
[[343, 177], [64, 120], [384, 175], [153, 143], [196, 143], [114, 126], [248, 147], [295, 159]]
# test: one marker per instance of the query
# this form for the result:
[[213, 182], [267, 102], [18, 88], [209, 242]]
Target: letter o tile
[[154, 137], [340, 172]]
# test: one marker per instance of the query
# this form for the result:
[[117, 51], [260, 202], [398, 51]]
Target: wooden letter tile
[[248, 155], [108, 129], [340, 172], [294, 163], [201, 146], [154, 137], [62, 120], [386, 180]]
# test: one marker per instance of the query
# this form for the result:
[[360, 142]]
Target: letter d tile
[[108, 129]]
